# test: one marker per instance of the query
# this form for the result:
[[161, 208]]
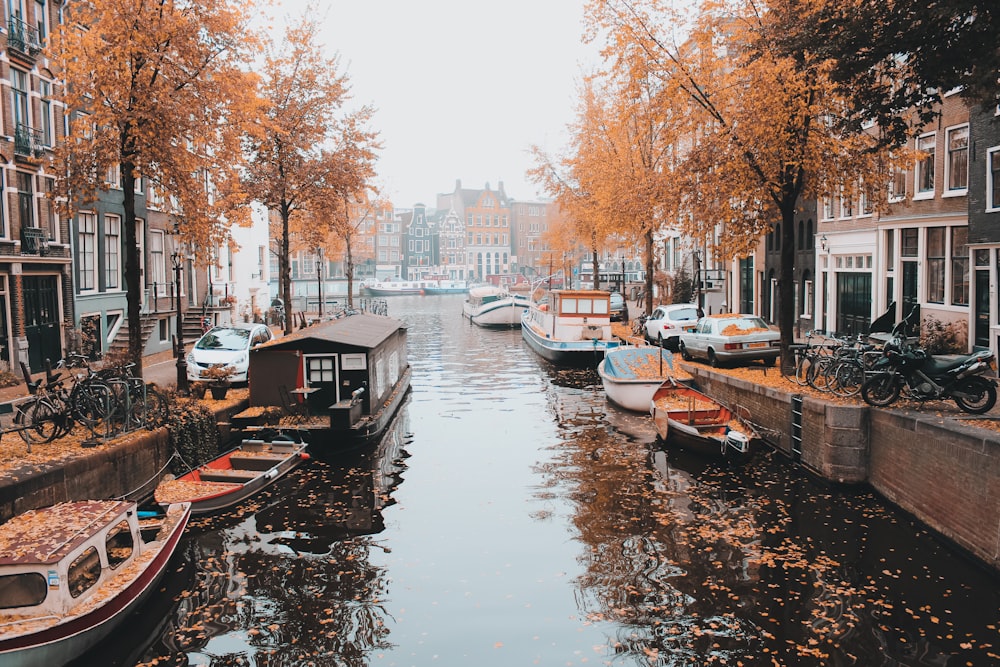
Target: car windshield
[[224, 339], [683, 314]]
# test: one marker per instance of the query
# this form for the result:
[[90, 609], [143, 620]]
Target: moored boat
[[490, 306], [631, 375], [695, 421], [73, 572], [432, 286], [234, 476], [571, 327], [392, 288]]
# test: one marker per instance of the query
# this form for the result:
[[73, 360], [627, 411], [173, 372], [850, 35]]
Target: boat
[[570, 327], [491, 306], [695, 421], [73, 572], [392, 288], [234, 476], [631, 374], [435, 285]]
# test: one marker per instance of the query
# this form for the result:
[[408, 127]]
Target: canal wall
[[130, 466], [943, 472]]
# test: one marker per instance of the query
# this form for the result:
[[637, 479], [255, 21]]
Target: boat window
[[586, 306], [22, 590], [119, 544], [568, 306], [600, 306], [84, 572]]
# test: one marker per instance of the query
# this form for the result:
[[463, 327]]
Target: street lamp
[[177, 261], [696, 257]]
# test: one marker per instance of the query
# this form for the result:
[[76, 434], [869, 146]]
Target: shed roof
[[359, 330]]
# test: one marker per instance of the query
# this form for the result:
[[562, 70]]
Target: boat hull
[[503, 313], [630, 393], [631, 375], [703, 425], [578, 353], [67, 641]]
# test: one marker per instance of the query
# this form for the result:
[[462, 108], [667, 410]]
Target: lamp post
[[177, 260], [319, 280], [696, 256]]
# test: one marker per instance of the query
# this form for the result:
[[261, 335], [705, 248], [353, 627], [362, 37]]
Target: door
[[321, 375], [41, 320], [854, 302], [982, 323]]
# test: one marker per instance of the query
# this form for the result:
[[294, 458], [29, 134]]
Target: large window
[[935, 264], [19, 97], [925, 166], [958, 160], [897, 186], [112, 251], [157, 261], [26, 199], [959, 266], [87, 240], [993, 179]]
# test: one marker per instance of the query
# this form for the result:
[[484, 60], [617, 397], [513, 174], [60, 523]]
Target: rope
[[154, 478]]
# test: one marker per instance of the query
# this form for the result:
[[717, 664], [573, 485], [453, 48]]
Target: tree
[[159, 90], [752, 121], [900, 56], [302, 90]]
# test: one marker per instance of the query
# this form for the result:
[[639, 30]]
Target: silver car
[[725, 338]]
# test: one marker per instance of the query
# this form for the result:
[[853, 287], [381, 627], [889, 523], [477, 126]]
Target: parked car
[[619, 309], [666, 323], [226, 346], [726, 338]]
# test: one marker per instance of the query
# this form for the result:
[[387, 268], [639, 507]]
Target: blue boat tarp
[[629, 362]]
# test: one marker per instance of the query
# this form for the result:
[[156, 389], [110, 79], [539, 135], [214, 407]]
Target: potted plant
[[218, 380]]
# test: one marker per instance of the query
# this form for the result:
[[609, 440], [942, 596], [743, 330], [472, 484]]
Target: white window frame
[[894, 195], [87, 247], [827, 208], [112, 252], [991, 154], [158, 260], [929, 141], [948, 190]]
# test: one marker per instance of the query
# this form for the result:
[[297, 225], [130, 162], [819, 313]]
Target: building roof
[[359, 330]]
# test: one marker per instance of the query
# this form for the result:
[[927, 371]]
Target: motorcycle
[[923, 377]]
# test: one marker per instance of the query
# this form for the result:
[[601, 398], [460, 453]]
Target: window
[[935, 264], [959, 266], [897, 186], [112, 251], [908, 244], [26, 199], [320, 370], [157, 261], [993, 179], [84, 572], [925, 166], [22, 590], [864, 202], [45, 114], [846, 206], [87, 240], [957, 165], [113, 178], [19, 90], [119, 544], [827, 208]]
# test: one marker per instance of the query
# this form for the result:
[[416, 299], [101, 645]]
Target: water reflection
[[539, 524]]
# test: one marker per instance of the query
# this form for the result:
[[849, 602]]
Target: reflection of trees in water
[[292, 583]]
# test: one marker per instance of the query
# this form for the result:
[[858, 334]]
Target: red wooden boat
[[71, 573], [233, 477], [690, 419]]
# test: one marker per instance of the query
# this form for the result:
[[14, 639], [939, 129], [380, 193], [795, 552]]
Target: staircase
[[120, 344], [191, 326]]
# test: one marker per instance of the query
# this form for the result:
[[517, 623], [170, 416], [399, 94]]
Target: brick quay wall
[[943, 472]]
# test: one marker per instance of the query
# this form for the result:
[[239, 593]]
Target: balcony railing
[[22, 37], [28, 141]]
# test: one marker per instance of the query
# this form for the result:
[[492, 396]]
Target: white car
[[666, 323], [731, 337], [226, 346]]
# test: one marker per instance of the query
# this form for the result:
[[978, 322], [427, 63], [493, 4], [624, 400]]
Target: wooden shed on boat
[[355, 361]]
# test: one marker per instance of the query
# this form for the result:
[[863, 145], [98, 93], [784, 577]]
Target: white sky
[[462, 88]]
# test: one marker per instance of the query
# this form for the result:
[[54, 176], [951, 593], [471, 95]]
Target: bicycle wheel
[[848, 376], [40, 421], [802, 369], [816, 376], [90, 402]]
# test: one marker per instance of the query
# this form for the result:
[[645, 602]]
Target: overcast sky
[[462, 88]]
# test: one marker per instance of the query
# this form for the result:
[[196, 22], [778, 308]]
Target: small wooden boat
[[72, 572], [233, 477], [631, 375], [696, 421]]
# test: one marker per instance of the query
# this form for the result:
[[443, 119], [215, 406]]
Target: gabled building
[[984, 228], [487, 215]]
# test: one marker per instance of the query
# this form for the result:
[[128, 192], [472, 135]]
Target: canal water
[[513, 517]]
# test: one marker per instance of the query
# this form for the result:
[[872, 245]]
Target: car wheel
[[713, 360], [684, 352]]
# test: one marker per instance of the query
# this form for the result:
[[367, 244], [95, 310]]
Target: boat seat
[[255, 462], [226, 475]]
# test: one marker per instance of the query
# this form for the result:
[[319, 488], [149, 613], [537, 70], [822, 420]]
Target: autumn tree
[[159, 90], [754, 128], [302, 90]]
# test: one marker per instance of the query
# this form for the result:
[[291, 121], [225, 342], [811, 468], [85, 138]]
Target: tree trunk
[[650, 264], [284, 268], [133, 285], [786, 283]]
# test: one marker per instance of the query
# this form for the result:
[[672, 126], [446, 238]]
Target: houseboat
[[490, 306], [570, 327], [341, 382]]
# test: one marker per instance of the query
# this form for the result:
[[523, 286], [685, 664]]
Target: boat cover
[[630, 362]]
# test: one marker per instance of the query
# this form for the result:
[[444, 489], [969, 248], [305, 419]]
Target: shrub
[[936, 337], [193, 435]]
